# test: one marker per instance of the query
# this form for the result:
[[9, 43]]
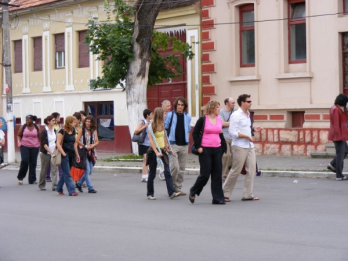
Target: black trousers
[[210, 161], [29, 159], [341, 148]]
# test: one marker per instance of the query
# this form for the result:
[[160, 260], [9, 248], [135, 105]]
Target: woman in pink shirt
[[208, 138], [29, 143]]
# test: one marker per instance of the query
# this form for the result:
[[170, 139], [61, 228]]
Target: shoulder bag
[[140, 137], [56, 156]]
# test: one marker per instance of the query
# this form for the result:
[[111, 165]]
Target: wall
[[277, 88]]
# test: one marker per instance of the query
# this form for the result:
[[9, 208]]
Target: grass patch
[[129, 157]]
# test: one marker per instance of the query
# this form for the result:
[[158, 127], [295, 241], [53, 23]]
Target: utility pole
[[8, 82]]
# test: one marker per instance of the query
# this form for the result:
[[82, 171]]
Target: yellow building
[[52, 68]]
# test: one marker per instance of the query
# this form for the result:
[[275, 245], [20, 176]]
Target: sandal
[[226, 199], [250, 199]]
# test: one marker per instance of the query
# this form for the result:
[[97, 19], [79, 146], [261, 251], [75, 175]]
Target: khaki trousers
[[241, 156], [45, 162], [178, 165], [227, 159]]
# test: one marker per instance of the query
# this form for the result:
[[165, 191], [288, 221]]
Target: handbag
[[82, 154], [140, 137], [194, 150], [76, 173], [56, 156]]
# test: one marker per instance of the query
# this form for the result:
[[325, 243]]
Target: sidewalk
[[271, 166]]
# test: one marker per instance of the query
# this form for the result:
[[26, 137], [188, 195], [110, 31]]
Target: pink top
[[30, 138], [211, 133]]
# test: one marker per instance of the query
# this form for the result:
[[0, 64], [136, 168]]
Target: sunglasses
[[248, 101]]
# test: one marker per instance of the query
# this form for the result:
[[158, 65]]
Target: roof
[[29, 3]]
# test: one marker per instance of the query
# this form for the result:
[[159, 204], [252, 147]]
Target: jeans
[[29, 159], [152, 175], [210, 161], [85, 177], [341, 148], [66, 178]]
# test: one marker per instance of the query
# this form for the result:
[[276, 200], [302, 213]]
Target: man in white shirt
[[225, 115], [2, 143], [243, 150]]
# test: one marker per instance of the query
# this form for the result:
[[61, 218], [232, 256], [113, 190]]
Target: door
[[170, 89]]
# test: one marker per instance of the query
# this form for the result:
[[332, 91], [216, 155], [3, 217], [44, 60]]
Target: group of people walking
[[217, 136], [223, 140], [77, 136]]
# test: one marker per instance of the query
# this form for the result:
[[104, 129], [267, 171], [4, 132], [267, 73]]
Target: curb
[[191, 171]]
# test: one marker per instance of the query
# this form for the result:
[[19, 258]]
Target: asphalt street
[[304, 220]]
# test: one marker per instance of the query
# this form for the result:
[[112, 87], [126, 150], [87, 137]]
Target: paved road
[[292, 221]]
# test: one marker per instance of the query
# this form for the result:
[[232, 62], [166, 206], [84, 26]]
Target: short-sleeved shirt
[[2, 136], [30, 138], [225, 116], [68, 140], [180, 130]]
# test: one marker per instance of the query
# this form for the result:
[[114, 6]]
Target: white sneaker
[[181, 193], [174, 195], [151, 197], [344, 178], [161, 175]]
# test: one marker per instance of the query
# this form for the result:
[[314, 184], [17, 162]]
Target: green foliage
[[112, 42]]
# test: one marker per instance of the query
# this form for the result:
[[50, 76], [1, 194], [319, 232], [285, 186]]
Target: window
[[297, 31], [345, 59], [297, 119], [60, 51], [37, 54], [103, 112], [18, 56], [345, 6], [247, 36], [83, 51]]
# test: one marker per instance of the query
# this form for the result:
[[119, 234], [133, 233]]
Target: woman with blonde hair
[[65, 145], [210, 143], [158, 152]]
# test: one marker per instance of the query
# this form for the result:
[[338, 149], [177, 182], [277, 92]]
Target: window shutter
[[83, 51], [18, 56], [38, 54], [59, 42]]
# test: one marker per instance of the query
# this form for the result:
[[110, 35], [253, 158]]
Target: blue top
[[147, 140], [187, 122]]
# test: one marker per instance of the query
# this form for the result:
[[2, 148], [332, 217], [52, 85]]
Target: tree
[[130, 49]]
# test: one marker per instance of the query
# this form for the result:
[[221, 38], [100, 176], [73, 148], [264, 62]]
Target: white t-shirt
[[51, 139], [2, 136]]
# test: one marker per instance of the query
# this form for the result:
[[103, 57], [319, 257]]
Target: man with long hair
[[177, 124]]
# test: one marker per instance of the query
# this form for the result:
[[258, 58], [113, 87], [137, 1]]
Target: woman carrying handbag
[[210, 145], [145, 145], [48, 138], [87, 139]]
